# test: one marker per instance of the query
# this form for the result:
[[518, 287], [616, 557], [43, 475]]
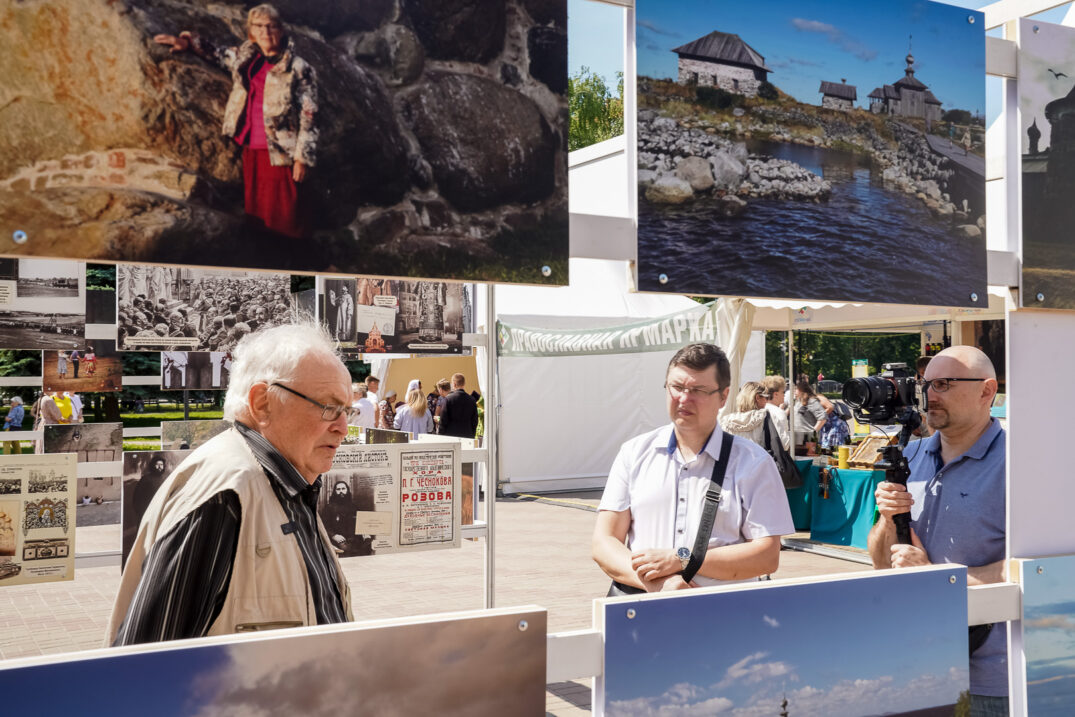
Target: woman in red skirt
[[271, 112]]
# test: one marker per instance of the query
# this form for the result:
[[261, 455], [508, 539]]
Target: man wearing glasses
[[656, 491], [955, 495], [232, 542]]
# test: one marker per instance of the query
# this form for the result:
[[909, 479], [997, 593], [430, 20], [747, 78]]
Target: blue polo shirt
[[958, 514]]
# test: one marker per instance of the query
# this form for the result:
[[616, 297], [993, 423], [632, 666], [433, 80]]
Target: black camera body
[[887, 398]]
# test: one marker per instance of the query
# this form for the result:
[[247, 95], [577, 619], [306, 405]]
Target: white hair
[[272, 354]]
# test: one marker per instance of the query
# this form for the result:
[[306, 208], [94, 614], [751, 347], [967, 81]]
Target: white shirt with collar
[[666, 494]]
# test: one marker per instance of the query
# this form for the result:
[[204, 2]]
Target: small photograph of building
[[906, 97], [838, 95], [723, 60]]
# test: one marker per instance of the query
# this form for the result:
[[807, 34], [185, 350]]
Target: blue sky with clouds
[[840, 648], [1049, 635], [807, 41], [595, 40]]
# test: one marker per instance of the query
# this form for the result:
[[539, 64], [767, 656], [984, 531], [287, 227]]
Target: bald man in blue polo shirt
[[956, 498]]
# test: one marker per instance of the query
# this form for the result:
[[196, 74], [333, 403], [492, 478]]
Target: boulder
[[405, 56], [465, 30], [930, 189], [457, 118], [669, 190], [730, 206], [968, 231], [646, 177], [728, 172], [696, 172]]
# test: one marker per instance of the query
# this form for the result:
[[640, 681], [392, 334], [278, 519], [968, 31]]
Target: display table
[[846, 516], [800, 499]]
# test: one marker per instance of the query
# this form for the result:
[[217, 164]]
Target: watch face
[[683, 554]]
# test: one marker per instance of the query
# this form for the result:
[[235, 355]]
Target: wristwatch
[[684, 555]]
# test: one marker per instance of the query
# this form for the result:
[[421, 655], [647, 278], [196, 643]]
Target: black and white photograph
[[819, 150], [415, 138], [46, 480], [87, 367], [339, 310], [195, 370], [10, 486], [1046, 101], [421, 317], [42, 303], [342, 496], [173, 309], [143, 474], [304, 304], [92, 442]]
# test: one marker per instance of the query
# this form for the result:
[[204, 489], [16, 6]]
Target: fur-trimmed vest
[[290, 106], [269, 587]]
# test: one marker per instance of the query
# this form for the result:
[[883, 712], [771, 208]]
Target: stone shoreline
[[680, 161]]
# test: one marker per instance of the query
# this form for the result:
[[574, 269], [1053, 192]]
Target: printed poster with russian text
[[37, 518]]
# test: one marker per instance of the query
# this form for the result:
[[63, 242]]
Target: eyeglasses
[[265, 25], [940, 385], [677, 391], [328, 413]]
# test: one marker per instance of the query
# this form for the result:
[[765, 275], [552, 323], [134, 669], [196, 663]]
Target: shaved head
[[973, 360]]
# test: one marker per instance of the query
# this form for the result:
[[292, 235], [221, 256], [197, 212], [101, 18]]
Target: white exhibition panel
[[1041, 491], [564, 418]]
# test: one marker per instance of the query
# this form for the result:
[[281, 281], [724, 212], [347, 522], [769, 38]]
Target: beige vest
[[269, 586]]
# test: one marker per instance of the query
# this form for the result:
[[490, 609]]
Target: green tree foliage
[[767, 91], [831, 353], [101, 277], [717, 99], [962, 708], [596, 115], [20, 363], [958, 117]]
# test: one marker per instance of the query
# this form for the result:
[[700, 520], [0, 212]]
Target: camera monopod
[[894, 464]]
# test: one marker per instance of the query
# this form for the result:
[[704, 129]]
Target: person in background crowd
[[13, 420], [442, 388], [75, 358], [372, 386], [66, 407], [76, 406], [748, 419], [812, 414], [459, 417], [956, 499], [774, 388], [386, 411], [61, 364], [367, 411], [90, 359], [414, 417]]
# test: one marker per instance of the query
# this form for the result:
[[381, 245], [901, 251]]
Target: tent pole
[[491, 440], [789, 398]]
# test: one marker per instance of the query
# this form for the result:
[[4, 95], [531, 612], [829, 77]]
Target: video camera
[[887, 398]]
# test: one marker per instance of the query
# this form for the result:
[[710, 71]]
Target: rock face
[[442, 123], [457, 119], [669, 190], [695, 171]]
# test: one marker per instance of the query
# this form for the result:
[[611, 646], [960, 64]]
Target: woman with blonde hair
[[748, 420], [414, 417]]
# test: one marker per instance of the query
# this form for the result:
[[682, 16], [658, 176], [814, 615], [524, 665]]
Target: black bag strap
[[768, 440], [709, 511]]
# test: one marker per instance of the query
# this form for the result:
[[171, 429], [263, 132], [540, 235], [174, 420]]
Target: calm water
[[865, 244]]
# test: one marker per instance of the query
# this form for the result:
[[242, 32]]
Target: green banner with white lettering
[[660, 334]]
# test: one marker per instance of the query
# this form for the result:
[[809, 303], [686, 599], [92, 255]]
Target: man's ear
[[259, 402], [989, 389]]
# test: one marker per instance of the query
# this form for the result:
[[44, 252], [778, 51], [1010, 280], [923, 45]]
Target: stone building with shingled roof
[[722, 60], [907, 97], [838, 95]]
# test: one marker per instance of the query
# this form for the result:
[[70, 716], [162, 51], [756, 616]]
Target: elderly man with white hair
[[231, 542]]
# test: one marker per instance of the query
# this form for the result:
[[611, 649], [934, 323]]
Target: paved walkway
[[954, 151], [542, 558]]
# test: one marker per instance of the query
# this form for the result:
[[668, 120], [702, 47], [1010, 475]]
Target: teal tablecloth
[[799, 499], [846, 516]]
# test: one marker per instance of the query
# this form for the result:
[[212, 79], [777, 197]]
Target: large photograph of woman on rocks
[[827, 150], [422, 138]]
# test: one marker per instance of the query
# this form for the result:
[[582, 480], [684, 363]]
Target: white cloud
[[836, 36], [751, 670], [770, 621]]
